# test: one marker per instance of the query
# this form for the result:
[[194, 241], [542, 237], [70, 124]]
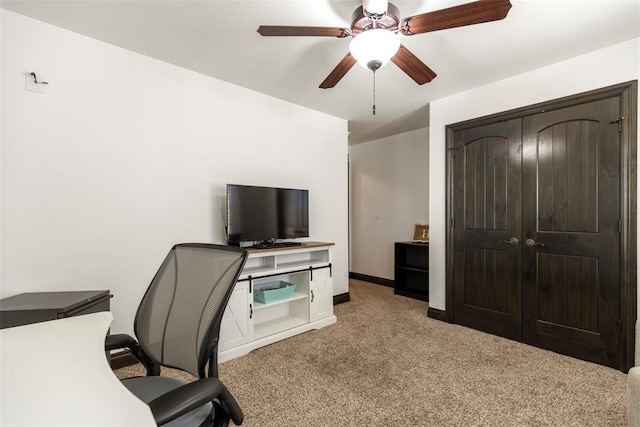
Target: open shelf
[[296, 296], [276, 325], [405, 268], [274, 261], [293, 265]]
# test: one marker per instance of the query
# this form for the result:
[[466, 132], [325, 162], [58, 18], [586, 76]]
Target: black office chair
[[177, 326]]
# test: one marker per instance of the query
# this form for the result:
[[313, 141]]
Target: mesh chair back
[[178, 320]]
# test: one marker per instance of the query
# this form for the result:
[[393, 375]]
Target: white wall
[[605, 67], [124, 156], [389, 195]]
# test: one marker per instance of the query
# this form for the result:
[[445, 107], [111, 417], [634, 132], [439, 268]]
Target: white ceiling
[[218, 38]]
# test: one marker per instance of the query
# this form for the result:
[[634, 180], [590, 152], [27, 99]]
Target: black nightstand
[[33, 307]]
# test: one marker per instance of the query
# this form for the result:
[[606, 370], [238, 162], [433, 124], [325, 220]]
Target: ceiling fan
[[375, 27]]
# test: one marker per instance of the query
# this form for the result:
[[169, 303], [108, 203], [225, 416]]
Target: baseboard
[[437, 314], [339, 299], [122, 359], [372, 279]]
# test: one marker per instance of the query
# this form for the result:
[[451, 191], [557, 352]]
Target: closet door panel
[[571, 210], [487, 208]]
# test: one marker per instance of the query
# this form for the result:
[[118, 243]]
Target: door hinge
[[619, 225], [619, 122], [619, 326], [453, 222]]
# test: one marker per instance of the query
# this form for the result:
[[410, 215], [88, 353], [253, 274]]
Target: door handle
[[531, 243], [512, 241]]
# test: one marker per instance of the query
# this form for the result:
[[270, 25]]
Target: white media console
[[248, 324]]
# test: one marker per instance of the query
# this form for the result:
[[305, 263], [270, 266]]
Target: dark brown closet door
[[487, 210], [571, 210]]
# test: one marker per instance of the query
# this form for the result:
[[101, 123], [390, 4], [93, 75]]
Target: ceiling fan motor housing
[[362, 21]]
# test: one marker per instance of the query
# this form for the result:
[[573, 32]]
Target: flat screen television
[[266, 214]]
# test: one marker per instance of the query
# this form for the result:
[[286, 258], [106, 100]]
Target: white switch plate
[[32, 86]]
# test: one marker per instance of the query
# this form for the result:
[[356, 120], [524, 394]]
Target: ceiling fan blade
[[338, 73], [457, 16], [411, 64], [283, 30]]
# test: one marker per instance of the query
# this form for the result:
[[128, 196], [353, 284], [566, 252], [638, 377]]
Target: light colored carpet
[[385, 363]]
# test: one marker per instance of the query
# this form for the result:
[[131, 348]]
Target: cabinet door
[[236, 327], [321, 293]]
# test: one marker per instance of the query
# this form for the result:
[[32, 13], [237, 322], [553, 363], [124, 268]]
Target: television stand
[[248, 324]]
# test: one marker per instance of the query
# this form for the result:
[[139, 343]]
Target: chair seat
[[149, 388]]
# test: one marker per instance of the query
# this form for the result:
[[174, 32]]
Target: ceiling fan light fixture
[[375, 46]]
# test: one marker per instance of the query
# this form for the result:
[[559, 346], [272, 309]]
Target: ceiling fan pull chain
[[374, 92]]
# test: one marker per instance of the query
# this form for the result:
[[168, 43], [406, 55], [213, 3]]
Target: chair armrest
[[230, 406], [184, 399], [122, 341]]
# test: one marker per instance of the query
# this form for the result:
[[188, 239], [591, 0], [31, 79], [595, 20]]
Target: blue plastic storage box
[[269, 292]]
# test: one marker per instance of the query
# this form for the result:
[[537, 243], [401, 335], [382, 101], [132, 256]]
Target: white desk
[[56, 374]]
